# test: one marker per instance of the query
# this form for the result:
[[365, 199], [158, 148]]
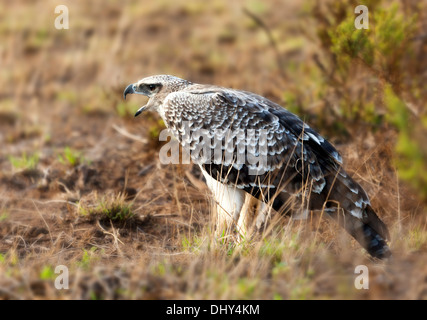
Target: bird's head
[[156, 88]]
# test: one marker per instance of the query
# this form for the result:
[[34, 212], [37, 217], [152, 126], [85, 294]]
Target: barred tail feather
[[374, 243], [370, 232], [357, 216]]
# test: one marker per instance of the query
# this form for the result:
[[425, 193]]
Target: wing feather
[[291, 147]]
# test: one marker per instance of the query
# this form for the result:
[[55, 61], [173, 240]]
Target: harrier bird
[[256, 147]]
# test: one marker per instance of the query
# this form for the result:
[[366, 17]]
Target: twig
[[273, 43], [129, 135], [47, 226], [169, 254], [174, 220], [116, 239], [56, 201], [164, 215]]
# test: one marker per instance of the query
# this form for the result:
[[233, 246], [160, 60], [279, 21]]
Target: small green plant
[[38, 40], [25, 161], [186, 244], [89, 256], [277, 296], [11, 258], [115, 209], [275, 247], [418, 238], [192, 244], [159, 269], [302, 289], [280, 267], [72, 157], [4, 216], [67, 96], [246, 288], [47, 273]]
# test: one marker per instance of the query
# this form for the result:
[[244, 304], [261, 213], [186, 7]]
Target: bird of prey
[[261, 149]]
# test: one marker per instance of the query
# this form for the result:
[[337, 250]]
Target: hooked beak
[[130, 89]]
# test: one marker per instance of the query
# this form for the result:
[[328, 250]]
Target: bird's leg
[[229, 201], [245, 215], [253, 217], [264, 211]]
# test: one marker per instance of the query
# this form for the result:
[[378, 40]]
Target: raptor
[[249, 146]]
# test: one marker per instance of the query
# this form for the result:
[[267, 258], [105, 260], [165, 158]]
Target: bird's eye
[[151, 87]]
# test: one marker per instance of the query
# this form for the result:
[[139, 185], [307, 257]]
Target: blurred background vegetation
[[378, 76]]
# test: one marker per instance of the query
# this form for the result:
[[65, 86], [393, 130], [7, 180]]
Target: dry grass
[[128, 227]]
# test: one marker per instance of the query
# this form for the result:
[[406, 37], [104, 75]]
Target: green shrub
[[375, 80]]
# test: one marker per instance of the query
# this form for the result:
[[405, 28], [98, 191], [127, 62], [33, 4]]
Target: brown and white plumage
[[287, 159]]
